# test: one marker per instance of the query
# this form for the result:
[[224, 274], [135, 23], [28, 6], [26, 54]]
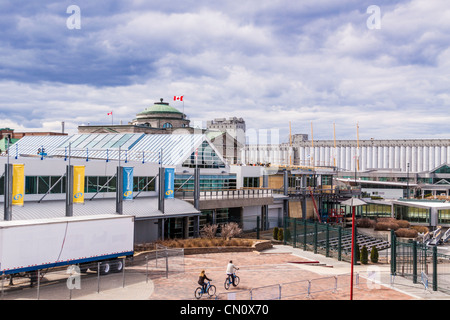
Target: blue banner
[[127, 183], [169, 183]]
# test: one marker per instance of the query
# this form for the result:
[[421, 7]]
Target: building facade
[[415, 155]]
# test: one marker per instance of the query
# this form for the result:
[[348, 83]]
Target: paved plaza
[[280, 272]]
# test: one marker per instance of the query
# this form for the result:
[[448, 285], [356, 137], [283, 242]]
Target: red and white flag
[[110, 113], [177, 98]]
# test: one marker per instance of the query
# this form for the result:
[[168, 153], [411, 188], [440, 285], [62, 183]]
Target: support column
[[119, 190], [69, 191], [197, 188], [7, 204], [161, 187]]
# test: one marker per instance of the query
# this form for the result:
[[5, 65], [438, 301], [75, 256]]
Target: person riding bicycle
[[230, 271], [201, 280]]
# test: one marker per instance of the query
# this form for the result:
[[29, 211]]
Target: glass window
[[30, 185], [251, 182], [43, 184], [444, 216]]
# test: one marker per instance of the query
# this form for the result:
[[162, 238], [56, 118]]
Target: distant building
[[161, 115], [6, 133], [235, 127], [228, 136], [159, 118]]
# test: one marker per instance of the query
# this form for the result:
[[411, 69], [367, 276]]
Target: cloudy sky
[[270, 62]]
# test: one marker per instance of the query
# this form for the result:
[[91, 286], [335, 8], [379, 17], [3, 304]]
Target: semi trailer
[[30, 245]]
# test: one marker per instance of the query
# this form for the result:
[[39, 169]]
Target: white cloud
[[269, 63]]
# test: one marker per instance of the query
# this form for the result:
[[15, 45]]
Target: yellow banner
[[18, 185], [78, 184]]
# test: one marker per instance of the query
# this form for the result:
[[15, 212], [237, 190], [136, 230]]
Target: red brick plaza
[[265, 270]]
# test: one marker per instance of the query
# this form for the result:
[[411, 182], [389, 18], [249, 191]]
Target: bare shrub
[[420, 229], [385, 226], [406, 233], [403, 224], [365, 223], [230, 230], [209, 231]]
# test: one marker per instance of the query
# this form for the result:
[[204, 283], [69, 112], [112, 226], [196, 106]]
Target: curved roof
[[159, 107]]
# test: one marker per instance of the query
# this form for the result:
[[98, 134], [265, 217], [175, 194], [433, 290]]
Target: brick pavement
[[282, 264], [258, 270]]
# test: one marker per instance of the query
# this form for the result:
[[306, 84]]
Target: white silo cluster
[[403, 155]]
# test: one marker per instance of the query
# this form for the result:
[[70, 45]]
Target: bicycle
[[229, 281], [210, 290]]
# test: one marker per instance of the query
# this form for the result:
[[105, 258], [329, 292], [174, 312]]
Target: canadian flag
[[110, 113], [177, 98]]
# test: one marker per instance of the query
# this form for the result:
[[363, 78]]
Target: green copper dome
[[159, 107]]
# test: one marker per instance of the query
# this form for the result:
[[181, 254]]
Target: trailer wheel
[[117, 265], [105, 267]]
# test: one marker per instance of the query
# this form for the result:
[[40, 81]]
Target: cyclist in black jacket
[[201, 280]]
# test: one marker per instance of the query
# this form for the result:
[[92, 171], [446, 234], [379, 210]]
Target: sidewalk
[[382, 273]]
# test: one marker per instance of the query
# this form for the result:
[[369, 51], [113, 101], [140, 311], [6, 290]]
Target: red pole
[[353, 253]]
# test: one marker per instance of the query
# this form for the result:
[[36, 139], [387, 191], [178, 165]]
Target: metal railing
[[422, 264], [226, 194], [236, 194], [294, 289]]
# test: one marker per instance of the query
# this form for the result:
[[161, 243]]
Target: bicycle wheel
[[198, 293], [212, 290], [236, 280], [226, 284]]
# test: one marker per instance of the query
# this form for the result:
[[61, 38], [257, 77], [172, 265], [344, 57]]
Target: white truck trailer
[[30, 245]]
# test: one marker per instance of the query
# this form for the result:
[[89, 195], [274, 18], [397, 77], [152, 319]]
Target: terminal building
[[204, 186]]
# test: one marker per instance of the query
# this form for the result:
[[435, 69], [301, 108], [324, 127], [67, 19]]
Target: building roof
[[159, 107], [142, 208], [173, 149], [439, 204]]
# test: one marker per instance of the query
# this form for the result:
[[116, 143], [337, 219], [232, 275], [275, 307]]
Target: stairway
[[361, 240]]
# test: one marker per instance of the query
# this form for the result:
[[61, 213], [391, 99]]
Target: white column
[[375, 157], [443, 154], [386, 163], [426, 158], [397, 157], [408, 156], [402, 158], [321, 156], [327, 160], [414, 159], [369, 157], [419, 158], [437, 156], [363, 159], [348, 158], [391, 157], [302, 156], [380, 157], [316, 156], [432, 157], [448, 154]]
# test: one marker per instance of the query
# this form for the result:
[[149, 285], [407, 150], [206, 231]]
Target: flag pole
[[353, 253]]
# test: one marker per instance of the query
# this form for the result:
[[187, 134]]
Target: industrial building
[[415, 155]]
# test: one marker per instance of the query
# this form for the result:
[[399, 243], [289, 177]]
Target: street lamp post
[[407, 180], [353, 202]]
